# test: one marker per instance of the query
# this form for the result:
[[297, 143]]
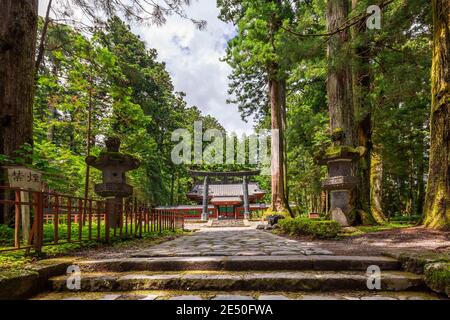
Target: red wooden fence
[[56, 219]]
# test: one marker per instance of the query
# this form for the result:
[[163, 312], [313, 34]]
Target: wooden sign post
[[28, 179]]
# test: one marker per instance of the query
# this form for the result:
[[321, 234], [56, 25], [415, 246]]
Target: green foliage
[[398, 99], [130, 95], [411, 219], [270, 212], [6, 235], [311, 227]]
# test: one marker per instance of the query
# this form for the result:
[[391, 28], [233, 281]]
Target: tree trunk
[[339, 82], [340, 102], [437, 199], [361, 87], [277, 87], [18, 29], [376, 179], [277, 164]]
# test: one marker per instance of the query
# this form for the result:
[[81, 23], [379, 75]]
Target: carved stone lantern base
[[341, 182], [114, 208]]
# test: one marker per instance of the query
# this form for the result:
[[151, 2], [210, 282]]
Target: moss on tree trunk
[[376, 176], [437, 200]]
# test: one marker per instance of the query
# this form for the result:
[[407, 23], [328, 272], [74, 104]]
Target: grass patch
[[360, 230], [97, 231], [388, 226], [321, 229], [16, 260]]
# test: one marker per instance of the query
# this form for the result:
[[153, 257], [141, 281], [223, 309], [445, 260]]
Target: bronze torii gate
[[207, 174]]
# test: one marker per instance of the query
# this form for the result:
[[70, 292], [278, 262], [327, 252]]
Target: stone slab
[[186, 298], [256, 281], [272, 297], [238, 263], [232, 297]]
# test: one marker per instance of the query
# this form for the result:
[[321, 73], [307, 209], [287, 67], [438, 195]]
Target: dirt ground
[[413, 240]]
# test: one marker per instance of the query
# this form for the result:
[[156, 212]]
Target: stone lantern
[[113, 165], [341, 181]]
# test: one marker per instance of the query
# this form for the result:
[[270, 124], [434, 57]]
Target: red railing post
[[69, 219], [80, 219], [107, 210], [140, 221], [56, 221], [159, 221], [89, 219], [18, 209], [39, 216]]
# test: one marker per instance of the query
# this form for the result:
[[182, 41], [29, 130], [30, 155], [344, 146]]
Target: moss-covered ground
[[16, 260]]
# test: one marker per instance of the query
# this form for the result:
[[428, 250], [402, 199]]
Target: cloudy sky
[[193, 60]]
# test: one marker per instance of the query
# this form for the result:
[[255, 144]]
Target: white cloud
[[193, 60]]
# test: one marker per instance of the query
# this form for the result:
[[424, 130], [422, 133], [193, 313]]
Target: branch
[[348, 24], [41, 51]]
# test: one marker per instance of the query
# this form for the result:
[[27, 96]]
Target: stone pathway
[[237, 263], [241, 295], [232, 242]]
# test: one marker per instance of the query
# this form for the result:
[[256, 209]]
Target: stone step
[[243, 263], [239, 295], [246, 281], [227, 223]]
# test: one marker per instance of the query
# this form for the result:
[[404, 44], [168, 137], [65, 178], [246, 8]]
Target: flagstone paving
[[241, 295], [232, 242]]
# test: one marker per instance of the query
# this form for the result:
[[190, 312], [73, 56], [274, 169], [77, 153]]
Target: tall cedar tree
[[18, 29], [18, 33], [437, 201], [256, 55]]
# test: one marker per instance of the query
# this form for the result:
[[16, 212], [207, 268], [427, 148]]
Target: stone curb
[[262, 281], [240, 263]]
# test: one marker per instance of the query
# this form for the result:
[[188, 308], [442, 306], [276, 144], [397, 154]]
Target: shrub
[[287, 225], [6, 235], [270, 212], [305, 226]]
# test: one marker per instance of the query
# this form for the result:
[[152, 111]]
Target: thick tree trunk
[[376, 179], [339, 82], [437, 200], [277, 95], [340, 103], [361, 87], [277, 164], [18, 28]]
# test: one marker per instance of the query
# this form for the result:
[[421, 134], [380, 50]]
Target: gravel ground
[[411, 240]]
